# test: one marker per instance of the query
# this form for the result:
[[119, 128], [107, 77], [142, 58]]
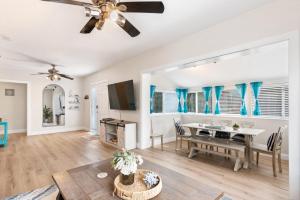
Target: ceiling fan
[[101, 10], [54, 75]]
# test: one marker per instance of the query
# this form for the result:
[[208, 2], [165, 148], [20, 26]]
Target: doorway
[[94, 112], [13, 98], [99, 106]]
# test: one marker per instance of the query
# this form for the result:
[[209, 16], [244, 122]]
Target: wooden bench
[[219, 143]]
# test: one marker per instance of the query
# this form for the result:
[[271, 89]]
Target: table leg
[[193, 133], [248, 152]]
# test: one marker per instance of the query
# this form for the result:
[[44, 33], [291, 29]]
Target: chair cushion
[[261, 147], [222, 135], [239, 138], [271, 141], [203, 132], [179, 128]]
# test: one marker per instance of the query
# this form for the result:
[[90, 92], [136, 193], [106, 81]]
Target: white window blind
[[158, 102], [170, 102], [274, 100], [191, 102], [230, 102]]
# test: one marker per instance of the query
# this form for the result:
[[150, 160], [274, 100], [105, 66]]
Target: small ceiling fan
[[101, 10], [54, 75]]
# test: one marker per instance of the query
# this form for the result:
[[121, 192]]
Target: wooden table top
[[244, 131], [82, 183]]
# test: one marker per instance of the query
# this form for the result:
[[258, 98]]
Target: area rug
[[44, 193]]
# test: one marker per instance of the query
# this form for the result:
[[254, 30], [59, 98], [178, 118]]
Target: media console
[[118, 133]]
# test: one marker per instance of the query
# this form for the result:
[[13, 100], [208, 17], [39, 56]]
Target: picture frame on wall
[[9, 92]]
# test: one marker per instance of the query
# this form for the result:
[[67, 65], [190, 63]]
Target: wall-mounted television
[[121, 96]]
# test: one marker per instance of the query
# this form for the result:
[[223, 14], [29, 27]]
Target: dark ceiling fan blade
[[66, 76], [144, 7], [71, 2], [89, 26], [127, 26]]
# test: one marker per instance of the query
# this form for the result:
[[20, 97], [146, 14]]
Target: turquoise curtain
[[184, 93], [256, 90], [218, 91], [152, 92], [178, 92], [242, 88], [207, 94]]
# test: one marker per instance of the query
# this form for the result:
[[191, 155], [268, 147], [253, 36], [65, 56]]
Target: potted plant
[[235, 127], [47, 114], [126, 162]]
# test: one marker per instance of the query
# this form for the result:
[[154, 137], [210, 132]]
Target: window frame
[[248, 101]]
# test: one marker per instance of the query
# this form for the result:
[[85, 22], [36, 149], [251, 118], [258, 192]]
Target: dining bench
[[219, 143]]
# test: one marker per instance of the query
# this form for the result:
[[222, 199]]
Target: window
[[274, 100], [230, 102], [158, 102], [201, 102], [170, 102], [191, 102]]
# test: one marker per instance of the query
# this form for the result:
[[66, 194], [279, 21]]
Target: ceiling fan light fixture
[[91, 13], [101, 10], [114, 16]]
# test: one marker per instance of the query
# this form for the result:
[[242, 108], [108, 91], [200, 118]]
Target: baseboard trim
[[17, 131], [283, 156], [166, 140], [55, 130]]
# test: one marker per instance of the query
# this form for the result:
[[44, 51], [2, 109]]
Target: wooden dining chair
[[274, 150], [156, 135], [181, 135]]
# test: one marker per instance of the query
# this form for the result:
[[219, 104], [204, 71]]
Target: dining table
[[249, 133]]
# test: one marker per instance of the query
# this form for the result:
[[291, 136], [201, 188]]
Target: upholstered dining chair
[[181, 134], [272, 148]]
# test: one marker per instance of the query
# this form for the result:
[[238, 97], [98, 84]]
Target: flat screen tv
[[121, 96]]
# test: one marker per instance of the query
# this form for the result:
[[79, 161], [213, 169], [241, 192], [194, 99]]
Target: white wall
[[264, 63], [13, 108], [73, 120], [164, 124]]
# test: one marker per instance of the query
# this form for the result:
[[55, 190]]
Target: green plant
[[235, 126], [47, 113]]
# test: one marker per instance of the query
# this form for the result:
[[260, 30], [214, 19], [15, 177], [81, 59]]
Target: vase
[[127, 179]]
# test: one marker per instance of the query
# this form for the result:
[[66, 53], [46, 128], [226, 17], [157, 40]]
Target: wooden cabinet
[[119, 134]]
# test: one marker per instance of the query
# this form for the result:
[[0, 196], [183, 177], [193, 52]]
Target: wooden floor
[[28, 163]]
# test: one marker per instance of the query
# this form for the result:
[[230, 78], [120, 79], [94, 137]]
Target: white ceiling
[[264, 63], [50, 32]]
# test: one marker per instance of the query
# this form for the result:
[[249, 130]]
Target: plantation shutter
[[230, 102], [274, 100]]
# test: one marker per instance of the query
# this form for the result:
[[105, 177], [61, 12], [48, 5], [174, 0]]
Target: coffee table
[[82, 184]]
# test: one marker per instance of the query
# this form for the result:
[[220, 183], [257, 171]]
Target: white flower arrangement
[[126, 162]]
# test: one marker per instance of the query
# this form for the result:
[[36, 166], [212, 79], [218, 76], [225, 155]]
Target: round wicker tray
[[138, 190]]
